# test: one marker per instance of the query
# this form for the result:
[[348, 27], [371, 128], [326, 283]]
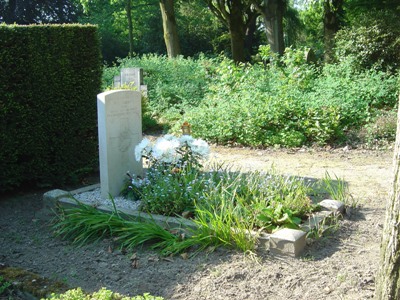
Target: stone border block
[[65, 200], [50, 198], [332, 205], [290, 242], [85, 189]]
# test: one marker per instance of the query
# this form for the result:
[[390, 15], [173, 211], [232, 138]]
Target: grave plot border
[[284, 242]]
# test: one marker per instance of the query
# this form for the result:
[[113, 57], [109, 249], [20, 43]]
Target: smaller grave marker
[[132, 76]]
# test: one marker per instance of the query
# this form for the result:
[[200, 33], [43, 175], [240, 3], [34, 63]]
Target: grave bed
[[284, 242]]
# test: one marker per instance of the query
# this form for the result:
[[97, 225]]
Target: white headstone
[[120, 130], [132, 76]]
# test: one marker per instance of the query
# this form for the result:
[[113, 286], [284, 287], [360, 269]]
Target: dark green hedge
[[49, 78]]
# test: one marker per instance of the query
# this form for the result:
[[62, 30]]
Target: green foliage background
[[286, 102]]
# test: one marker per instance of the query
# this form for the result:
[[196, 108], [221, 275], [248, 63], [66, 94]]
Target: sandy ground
[[340, 266]]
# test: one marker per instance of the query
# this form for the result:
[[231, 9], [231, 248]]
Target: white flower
[[200, 147], [143, 148], [169, 137], [186, 139], [165, 150]]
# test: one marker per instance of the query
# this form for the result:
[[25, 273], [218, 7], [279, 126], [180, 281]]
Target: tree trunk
[[169, 26], [332, 11], [128, 9], [237, 32], [388, 277], [272, 13]]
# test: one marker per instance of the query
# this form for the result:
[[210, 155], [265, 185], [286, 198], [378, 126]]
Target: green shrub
[[382, 128], [4, 285], [355, 94], [372, 42], [286, 102], [173, 84], [260, 107], [102, 294], [50, 76]]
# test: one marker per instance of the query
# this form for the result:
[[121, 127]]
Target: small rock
[[347, 148], [369, 279]]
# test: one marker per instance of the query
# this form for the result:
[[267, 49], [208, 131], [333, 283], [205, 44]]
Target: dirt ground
[[341, 266]]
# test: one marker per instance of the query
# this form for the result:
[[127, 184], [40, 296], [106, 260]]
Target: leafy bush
[[372, 42], [102, 294], [250, 105], [355, 94], [4, 285], [284, 101], [382, 128], [173, 84]]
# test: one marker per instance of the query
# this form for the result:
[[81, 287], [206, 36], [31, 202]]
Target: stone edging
[[286, 242]]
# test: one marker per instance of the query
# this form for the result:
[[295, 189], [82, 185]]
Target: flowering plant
[[173, 169], [172, 152]]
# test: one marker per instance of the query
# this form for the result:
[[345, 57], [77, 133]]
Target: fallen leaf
[[168, 259], [153, 258], [135, 264], [185, 256], [135, 261]]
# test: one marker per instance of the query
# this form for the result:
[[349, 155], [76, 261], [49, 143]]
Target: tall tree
[[201, 31], [236, 15], [273, 12], [170, 28], [388, 277], [127, 7], [330, 14], [128, 10]]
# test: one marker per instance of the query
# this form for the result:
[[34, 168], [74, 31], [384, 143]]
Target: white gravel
[[94, 198]]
